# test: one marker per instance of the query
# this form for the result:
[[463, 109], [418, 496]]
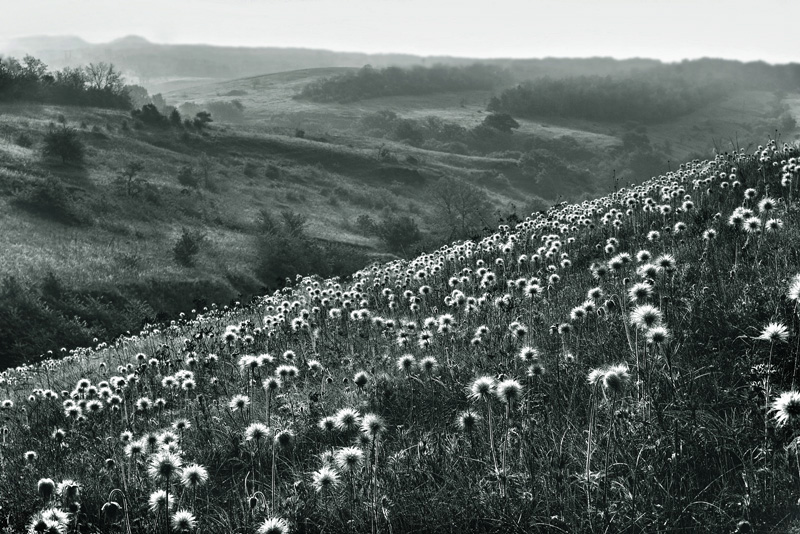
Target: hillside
[[624, 364]]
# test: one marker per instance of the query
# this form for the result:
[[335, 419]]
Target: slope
[[627, 363]]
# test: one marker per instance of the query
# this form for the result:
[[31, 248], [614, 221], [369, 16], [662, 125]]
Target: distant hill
[[152, 63]]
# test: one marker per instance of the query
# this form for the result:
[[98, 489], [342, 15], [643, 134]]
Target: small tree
[[187, 177], [64, 143], [202, 119], [128, 175], [187, 247], [175, 118], [399, 234]]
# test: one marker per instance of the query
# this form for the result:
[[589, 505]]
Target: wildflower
[[30, 456], [775, 332], [163, 466], [68, 490], [183, 521], [773, 225], [646, 316], [752, 225], [372, 425], [508, 391], [595, 376], [482, 388], [640, 292], [284, 438], [787, 407], [360, 379], [794, 289], [256, 432], [239, 402], [46, 487], [325, 479], [143, 404], [327, 424], [349, 459], [429, 365], [347, 419], [181, 424], [406, 363], [158, 501], [750, 193], [766, 205], [194, 475], [273, 525], [615, 378], [134, 448], [271, 384], [657, 335], [528, 354], [467, 420]]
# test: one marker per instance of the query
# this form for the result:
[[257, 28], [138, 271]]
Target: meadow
[[622, 364]]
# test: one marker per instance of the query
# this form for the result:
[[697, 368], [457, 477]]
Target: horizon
[[505, 29]]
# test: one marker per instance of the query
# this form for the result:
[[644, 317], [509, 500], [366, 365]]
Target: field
[[627, 364]]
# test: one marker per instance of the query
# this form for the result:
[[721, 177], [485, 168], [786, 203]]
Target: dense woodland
[[368, 82], [98, 85]]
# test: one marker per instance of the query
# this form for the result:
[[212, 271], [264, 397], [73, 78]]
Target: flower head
[[273, 525], [325, 479], [183, 521], [774, 333], [787, 407]]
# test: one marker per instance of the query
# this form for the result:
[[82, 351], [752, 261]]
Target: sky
[[670, 30]]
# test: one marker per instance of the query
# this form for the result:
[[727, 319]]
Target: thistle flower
[[349, 459], [360, 379], [284, 439], [256, 432], [646, 316], [325, 479], [271, 384], [537, 369], [46, 487], [640, 292], [508, 391], [405, 363], [347, 420], [657, 335], [752, 225], [327, 424], [794, 289], [467, 420], [482, 388], [429, 365], [183, 521], [273, 525], [774, 333], [616, 378], [158, 501], [193, 476], [787, 408], [239, 402], [766, 205], [68, 490], [372, 425], [30, 456], [163, 466]]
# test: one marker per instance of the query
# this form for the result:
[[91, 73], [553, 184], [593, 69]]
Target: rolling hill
[[627, 363]]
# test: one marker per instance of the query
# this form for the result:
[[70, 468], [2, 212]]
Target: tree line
[[98, 84], [368, 82]]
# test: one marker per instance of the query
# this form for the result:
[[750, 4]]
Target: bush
[[24, 140], [399, 234], [64, 143], [187, 177], [50, 199], [188, 247]]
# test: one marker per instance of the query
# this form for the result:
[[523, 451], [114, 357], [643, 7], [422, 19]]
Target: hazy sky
[[669, 30]]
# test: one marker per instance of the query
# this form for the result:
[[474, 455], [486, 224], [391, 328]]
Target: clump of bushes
[[64, 143], [187, 248]]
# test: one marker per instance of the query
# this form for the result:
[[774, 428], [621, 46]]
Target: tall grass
[[543, 393]]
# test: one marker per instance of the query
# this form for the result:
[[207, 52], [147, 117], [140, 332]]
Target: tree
[[128, 175], [64, 143], [399, 234], [502, 122], [175, 118], [463, 209], [187, 247], [202, 119], [187, 177], [104, 77], [138, 95]]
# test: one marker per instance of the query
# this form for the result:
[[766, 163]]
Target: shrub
[[64, 143], [24, 140], [50, 199], [188, 247], [187, 177]]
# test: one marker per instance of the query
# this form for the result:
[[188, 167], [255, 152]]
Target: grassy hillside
[[623, 364], [100, 238]]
